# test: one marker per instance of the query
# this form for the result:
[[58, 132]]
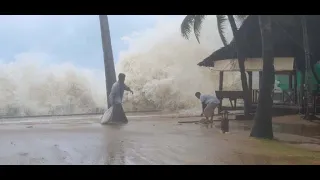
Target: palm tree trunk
[[262, 127], [308, 67], [241, 60], [110, 73]]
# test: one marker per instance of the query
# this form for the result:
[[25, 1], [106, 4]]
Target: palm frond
[[239, 19], [198, 19], [221, 19], [186, 25]]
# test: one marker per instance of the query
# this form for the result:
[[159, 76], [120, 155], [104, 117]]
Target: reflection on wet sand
[[114, 141], [143, 141]]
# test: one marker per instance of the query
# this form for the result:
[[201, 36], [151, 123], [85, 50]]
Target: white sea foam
[[160, 65]]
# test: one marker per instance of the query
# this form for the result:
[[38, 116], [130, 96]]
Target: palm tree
[[196, 22], [262, 127], [308, 67], [110, 73]]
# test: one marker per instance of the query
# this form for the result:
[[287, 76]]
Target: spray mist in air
[[160, 67]]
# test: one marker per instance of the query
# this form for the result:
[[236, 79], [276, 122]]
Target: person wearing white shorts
[[209, 104]]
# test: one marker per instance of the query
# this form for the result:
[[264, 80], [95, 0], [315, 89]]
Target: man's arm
[[127, 89], [203, 107]]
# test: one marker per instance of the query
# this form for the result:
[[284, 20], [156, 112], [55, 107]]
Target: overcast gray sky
[[73, 39]]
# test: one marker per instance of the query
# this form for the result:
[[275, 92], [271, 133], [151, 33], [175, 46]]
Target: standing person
[[115, 114], [209, 104]]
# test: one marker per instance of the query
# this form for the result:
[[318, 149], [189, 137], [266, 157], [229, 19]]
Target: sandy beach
[[146, 140]]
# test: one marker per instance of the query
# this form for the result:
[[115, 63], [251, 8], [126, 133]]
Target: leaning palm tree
[[262, 127], [195, 21], [110, 72]]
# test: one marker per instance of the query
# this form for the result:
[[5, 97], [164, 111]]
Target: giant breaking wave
[[160, 66]]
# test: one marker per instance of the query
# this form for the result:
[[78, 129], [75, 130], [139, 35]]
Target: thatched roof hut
[[287, 38]]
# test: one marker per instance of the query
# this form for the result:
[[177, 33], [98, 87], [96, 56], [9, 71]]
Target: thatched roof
[[287, 39]]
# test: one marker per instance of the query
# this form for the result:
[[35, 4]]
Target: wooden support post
[[290, 81], [260, 79], [250, 80], [290, 87], [220, 89], [250, 85], [221, 81], [295, 88]]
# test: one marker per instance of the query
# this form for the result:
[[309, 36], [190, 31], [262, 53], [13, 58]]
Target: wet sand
[[144, 141]]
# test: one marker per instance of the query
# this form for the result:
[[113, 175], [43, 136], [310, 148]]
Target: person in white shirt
[[115, 113], [209, 104]]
